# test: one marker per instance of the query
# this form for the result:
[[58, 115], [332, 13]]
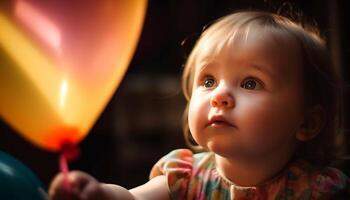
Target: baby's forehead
[[265, 37], [273, 50]]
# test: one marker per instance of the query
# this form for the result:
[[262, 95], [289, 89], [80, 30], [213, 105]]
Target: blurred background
[[142, 122]]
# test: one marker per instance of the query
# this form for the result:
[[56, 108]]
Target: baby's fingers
[[57, 190], [70, 186], [91, 191]]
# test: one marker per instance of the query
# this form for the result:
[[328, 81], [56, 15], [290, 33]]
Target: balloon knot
[[70, 151]]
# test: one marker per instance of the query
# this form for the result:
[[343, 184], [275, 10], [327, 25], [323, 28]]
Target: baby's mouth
[[219, 121]]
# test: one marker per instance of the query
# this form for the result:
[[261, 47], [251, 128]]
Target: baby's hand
[[79, 186]]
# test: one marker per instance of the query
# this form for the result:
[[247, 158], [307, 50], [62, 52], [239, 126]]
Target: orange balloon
[[60, 63]]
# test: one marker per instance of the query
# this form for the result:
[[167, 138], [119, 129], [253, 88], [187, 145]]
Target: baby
[[263, 108]]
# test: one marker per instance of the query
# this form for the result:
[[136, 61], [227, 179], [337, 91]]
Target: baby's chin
[[227, 150]]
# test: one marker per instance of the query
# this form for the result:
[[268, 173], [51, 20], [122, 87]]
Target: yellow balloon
[[60, 63]]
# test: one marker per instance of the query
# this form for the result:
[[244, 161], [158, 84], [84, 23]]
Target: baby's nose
[[222, 98]]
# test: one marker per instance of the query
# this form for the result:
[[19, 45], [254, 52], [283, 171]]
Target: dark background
[[142, 121]]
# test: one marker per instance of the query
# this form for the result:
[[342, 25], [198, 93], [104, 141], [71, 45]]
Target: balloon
[[17, 181], [60, 63]]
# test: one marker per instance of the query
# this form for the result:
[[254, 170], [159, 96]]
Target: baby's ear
[[313, 123]]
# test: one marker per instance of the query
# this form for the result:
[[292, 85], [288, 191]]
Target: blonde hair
[[321, 82]]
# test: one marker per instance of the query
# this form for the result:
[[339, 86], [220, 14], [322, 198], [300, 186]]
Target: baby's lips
[[219, 119]]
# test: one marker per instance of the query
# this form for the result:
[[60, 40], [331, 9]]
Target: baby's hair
[[321, 82]]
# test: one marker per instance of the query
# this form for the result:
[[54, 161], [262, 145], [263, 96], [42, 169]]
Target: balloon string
[[69, 152], [64, 169]]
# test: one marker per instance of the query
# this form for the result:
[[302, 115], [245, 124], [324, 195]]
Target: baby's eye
[[208, 82], [251, 84]]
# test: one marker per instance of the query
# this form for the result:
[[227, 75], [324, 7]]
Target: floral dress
[[194, 176]]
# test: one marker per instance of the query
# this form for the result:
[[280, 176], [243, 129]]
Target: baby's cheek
[[193, 116], [267, 131], [254, 118], [197, 118], [259, 124]]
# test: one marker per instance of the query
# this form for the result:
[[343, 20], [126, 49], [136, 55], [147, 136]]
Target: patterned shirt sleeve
[[177, 167]]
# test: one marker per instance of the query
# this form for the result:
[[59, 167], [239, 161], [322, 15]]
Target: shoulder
[[318, 183], [179, 166], [181, 161], [329, 182]]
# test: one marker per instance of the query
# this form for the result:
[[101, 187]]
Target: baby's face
[[247, 100]]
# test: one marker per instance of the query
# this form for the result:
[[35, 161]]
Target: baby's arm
[[84, 186], [156, 188]]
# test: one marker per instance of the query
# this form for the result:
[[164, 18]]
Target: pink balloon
[[61, 61]]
